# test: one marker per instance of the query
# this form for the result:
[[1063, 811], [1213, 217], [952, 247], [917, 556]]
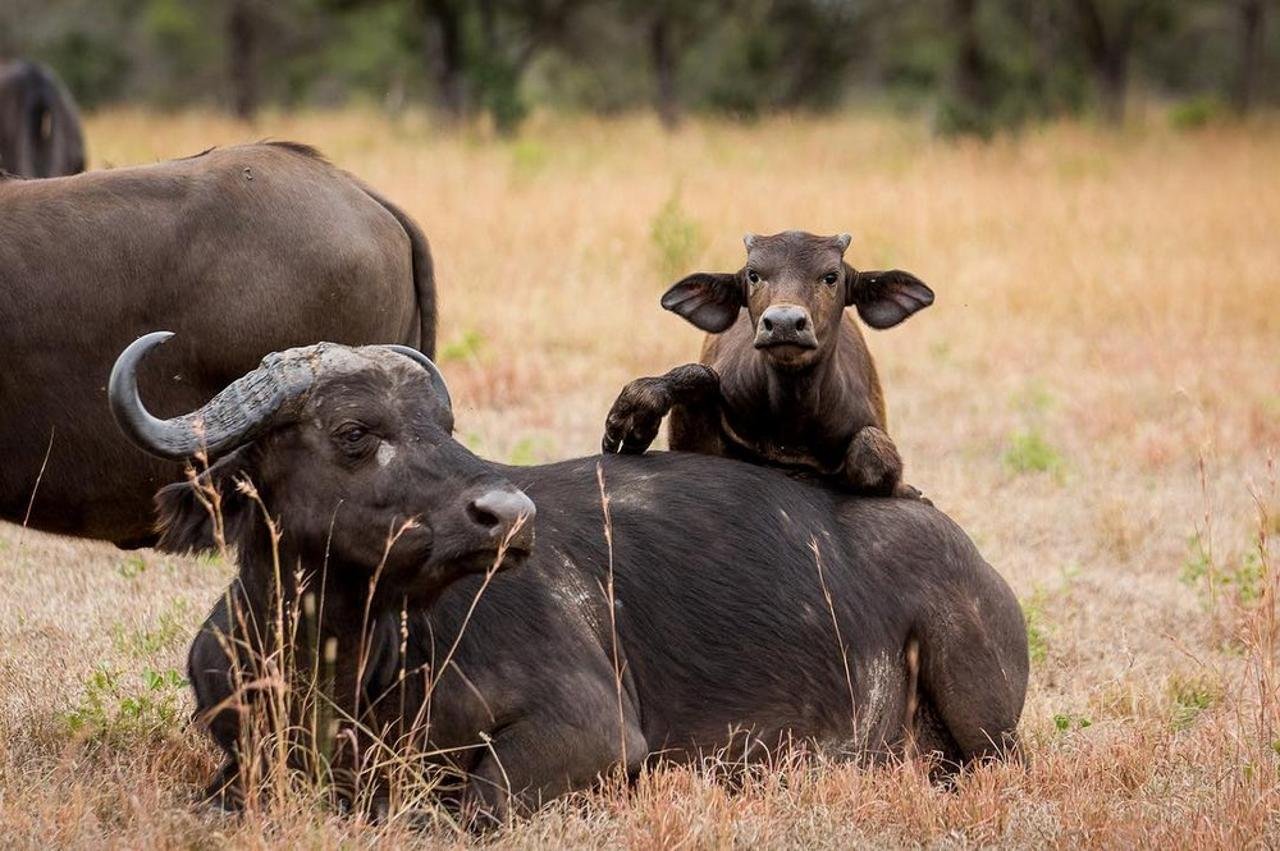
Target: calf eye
[[752, 276], [831, 278]]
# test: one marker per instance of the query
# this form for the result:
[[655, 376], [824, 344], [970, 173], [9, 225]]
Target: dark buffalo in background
[[40, 133], [243, 251], [725, 638]]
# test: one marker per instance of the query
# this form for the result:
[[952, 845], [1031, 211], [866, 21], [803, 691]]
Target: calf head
[[795, 287], [350, 452]]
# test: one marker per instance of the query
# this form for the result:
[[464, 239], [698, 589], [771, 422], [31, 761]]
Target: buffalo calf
[[785, 377]]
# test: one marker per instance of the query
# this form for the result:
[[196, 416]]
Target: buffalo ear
[[709, 300], [185, 523], [884, 299]]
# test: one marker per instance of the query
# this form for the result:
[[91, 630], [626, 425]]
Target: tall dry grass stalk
[[1108, 314]]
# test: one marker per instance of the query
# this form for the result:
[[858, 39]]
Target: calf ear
[[185, 517], [709, 300], [884, 299]]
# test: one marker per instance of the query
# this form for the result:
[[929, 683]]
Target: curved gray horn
[[437, 380], [241, 412]]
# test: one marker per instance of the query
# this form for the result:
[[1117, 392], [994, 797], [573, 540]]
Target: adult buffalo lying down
[[725, 636], [244, 251]]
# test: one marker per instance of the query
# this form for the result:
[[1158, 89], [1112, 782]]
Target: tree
[[1109, 30], [242, 57], [1252, 27]]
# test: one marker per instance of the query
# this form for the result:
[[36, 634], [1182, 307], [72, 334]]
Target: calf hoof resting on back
[[872, 464]]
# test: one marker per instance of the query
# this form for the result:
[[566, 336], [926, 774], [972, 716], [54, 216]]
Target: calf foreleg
[[691, 391]]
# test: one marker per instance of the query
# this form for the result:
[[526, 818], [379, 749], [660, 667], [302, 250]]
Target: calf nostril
[[801, 324], [768, 324]]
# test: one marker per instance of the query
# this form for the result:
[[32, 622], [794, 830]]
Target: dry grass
[[1095, 397]]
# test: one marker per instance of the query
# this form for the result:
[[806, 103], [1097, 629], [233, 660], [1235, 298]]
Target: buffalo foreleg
[[636, 415]]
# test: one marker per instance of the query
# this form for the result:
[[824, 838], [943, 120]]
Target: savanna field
[[1095, 398]]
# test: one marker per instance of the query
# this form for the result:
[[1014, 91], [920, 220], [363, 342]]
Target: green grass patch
[[467, 346], [676, 238], [116, 709], [1191, 696], [1033, 612], [1029, 452], [170, 630]]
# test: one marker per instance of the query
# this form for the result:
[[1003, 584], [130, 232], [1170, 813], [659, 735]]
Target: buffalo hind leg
[[971, 693]]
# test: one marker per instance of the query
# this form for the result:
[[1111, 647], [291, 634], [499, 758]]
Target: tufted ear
[[185, 518], [884, 299], [709, 300]]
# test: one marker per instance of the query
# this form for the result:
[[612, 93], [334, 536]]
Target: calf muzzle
[[786, 325]]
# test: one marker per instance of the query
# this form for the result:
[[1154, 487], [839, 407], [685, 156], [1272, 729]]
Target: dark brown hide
[[725, 642], [241, 251], [350, 454], [785, 377], [40, 133]]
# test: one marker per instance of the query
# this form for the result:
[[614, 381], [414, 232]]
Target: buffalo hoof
[[636, 416]]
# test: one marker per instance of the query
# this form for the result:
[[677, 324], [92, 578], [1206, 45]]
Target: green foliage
[[530, 450], [1196, 113], [528, 158], [738, 57], [117, 710], [1033, 398], [1033, 612], [467, 346], [169, 631], [1030, 452], [676, 238], [1191, 696], [1195, 566], [132, 567], [1065, 722], [1245, 579]]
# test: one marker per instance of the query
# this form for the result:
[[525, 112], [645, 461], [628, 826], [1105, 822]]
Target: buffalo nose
[[504, 514], [786, 324]]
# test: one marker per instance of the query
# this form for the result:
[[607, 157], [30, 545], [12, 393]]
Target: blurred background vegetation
[[975, 66]]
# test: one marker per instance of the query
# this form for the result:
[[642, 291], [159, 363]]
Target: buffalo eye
[[830, 278], [352, 437], [753, 276]]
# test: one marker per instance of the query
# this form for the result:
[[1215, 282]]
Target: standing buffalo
[[244, 250], [785, 378], [40, 133], [720, 634]]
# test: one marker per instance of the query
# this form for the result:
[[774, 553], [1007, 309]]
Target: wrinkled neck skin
[[792, 417], [337, 616]]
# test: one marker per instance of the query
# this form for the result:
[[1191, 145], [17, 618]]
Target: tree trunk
[[969, 65], [1113, 82], [662, 54], [450, 63], [1109, 55], [242, 56], [1251, 31]]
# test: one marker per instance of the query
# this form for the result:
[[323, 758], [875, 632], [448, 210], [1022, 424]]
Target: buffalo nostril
[[768, 324], [498, 512], [801, 324], [482, 516]]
